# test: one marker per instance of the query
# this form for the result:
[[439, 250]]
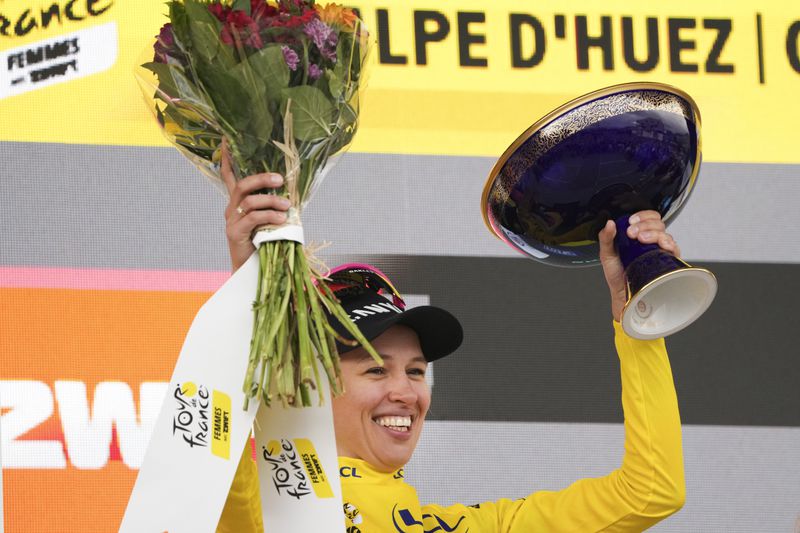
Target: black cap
[[374, 305]]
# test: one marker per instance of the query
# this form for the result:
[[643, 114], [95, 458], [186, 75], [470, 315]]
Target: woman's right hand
[[247, 211]]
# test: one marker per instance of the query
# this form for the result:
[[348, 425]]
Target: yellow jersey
[[648, 487]]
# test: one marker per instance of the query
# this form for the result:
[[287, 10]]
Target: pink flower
[[323, 36], [314, 72], [291, 57]]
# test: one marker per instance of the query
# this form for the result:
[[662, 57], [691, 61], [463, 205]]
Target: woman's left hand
[[646, 227], [247, 209]]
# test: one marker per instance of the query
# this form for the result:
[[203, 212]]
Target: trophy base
[[668, 303]]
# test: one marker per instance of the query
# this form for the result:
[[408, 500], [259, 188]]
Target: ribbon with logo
[[298, 468], [201, 431]]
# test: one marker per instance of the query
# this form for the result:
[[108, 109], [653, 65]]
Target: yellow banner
[[460, 78], [66, 70]]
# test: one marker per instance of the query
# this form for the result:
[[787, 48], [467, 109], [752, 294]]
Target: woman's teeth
[[400, 423]]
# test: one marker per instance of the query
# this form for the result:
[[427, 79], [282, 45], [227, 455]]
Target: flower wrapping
[[281, 84]]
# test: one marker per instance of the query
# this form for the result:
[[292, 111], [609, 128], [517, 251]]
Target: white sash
[[201, 429], [298, 467]]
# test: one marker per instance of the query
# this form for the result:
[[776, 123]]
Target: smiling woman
[[379, 418]]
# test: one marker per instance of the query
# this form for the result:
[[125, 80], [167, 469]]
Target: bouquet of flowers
[[280, 83]]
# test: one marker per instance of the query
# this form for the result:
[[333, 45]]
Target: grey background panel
[[738, 480], [107, 207], [534, 333], [138, 207]]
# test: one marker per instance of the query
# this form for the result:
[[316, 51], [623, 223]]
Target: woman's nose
[[402, 390]]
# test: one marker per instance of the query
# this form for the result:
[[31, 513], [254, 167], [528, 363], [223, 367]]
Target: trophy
[[607, 155]]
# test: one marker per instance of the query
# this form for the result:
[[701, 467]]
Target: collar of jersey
[[366, 473]]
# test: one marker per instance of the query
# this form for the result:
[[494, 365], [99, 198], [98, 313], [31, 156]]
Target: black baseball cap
[[374, 305]]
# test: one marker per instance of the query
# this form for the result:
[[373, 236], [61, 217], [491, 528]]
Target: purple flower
[[323, 36], [291, 57], [314, 71]]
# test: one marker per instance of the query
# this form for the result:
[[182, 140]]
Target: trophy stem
[[665, 294]]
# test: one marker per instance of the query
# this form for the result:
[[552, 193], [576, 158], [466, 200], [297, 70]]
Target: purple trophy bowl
[[607, 155]]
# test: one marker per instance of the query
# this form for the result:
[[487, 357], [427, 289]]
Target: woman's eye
[[378, 371], [416, 372]]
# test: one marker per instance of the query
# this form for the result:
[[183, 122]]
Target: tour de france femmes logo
[[296, 469], [202, 419], [89, 45]]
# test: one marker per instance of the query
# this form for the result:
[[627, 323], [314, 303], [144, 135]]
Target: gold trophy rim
[[573, 104]]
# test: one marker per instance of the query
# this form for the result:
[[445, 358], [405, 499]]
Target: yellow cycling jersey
[[648, 487]]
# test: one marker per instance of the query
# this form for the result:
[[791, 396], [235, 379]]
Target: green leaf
[[205, 33], [346, 55], [261, 123], [187, 117], [248, 148], [270, 68], [230, 99], [186, 87], [247, 79], [180, 23], [242, 5], [335, 83], [347, 116], [160, 116], [256, 86], [346, 69], [165, 81], [312, 111], [178, 117]]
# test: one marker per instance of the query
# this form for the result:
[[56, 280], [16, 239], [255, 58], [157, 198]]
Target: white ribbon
[[287, 232], [292, 230], [201, 430], [193, 457], [298, 467]]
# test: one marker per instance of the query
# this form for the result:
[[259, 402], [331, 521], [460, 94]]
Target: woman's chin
[[394, 457]]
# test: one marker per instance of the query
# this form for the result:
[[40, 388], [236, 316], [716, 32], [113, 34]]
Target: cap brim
[[439, 332]]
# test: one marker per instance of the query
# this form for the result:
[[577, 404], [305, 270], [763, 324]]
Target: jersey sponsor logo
[[406, 518], [349, 471], [373, 309], [352, 513], [405, 522]]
